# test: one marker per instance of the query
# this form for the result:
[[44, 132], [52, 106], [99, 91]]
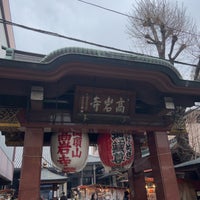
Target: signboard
[[103, 102]]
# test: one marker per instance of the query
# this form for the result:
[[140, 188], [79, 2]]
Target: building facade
[[6, 42]]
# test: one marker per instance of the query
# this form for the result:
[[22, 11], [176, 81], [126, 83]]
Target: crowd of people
[[126, 196], [94, 196]]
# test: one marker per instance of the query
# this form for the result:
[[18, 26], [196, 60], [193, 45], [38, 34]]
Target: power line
[[63, 36], [104, 8], [79, 40], [129, 16]]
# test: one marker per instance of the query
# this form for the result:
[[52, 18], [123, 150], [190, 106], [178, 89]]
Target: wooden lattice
[[8, 119]]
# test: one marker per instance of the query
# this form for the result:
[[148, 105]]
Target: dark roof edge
[[108, 54], [188, 163]]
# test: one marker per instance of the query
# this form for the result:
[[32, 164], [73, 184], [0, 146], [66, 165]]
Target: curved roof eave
[[109, 55], [81, 61]]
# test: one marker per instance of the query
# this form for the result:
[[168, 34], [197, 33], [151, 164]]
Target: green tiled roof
[[108, 54], [47, 175], [189, 163]]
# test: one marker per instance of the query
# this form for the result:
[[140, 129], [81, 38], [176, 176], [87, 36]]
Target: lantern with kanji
[[69, 150], [116, 150]]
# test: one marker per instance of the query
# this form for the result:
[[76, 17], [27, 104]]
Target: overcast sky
[[78, 20]]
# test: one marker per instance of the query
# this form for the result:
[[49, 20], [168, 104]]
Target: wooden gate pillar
[[162, 166], [29, 187], [136, 174]]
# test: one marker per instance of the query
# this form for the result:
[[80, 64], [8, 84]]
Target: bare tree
[[195, 51], [162, 24], [165, 26]]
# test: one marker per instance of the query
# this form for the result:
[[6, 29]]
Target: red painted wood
[[162, 166], [29, 187]]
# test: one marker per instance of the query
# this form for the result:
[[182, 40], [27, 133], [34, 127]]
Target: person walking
[[126, 195], [94, 196], [63, 197]]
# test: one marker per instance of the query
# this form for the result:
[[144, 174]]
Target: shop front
[[85, 192]]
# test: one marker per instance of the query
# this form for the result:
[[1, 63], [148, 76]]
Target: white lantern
[[69, 150]]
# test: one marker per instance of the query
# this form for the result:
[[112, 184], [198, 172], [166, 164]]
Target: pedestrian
[[126, 195], [75, 194], [41, 198], [63, 197], [94, 196]]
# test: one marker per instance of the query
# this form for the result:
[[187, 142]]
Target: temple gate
[[95, 92]]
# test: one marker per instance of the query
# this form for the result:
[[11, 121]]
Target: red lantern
[[116, 150], [69, 150]]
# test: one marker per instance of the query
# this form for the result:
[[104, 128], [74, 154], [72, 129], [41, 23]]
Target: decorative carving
[[8, 119], [179, 121]]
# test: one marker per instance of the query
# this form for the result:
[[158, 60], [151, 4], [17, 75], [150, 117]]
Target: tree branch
[[174, 40], [181, 48], [196, 75], [157, 41]]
